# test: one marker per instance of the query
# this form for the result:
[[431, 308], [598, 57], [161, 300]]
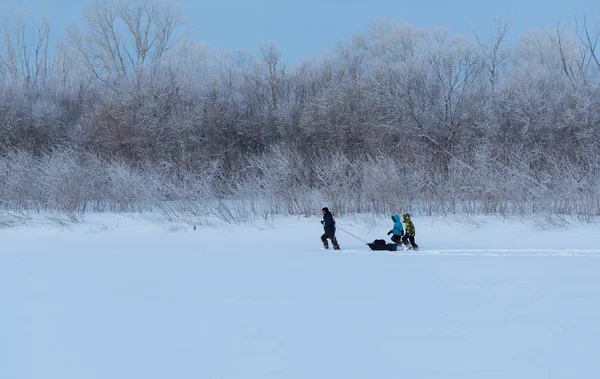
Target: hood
[[396, 218]]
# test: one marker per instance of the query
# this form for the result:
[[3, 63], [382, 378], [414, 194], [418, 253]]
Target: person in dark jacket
[[398, 230], [409, 234], [329, 225]]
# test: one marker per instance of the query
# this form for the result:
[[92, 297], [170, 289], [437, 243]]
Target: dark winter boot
[[325, 244], [336, 247]]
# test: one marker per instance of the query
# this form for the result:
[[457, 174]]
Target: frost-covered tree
[[123, 39], [24, 58]]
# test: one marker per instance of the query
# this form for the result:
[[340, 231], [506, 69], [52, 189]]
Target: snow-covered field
[[121, 297]]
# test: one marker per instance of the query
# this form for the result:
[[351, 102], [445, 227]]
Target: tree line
[[128, 112]]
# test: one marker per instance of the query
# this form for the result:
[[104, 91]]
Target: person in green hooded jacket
[[409, 233]]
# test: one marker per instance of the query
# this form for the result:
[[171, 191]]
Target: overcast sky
[[309, 28]]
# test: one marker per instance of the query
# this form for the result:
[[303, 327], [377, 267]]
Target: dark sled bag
[[381, 245]]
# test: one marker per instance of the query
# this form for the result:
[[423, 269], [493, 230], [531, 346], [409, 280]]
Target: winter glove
[[390, 232], [322, 222]]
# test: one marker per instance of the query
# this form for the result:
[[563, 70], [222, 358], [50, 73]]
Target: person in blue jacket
[[397, 231]]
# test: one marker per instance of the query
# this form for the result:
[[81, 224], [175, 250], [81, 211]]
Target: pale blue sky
[[310, 28]]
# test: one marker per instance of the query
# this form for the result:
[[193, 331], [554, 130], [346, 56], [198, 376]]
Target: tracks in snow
[[595, 253]]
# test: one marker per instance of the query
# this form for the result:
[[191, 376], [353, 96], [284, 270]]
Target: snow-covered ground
[[122, 297]]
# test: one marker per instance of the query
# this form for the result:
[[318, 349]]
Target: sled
[[381, 245]]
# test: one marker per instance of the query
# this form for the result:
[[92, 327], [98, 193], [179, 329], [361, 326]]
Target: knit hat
[[325, 209]]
